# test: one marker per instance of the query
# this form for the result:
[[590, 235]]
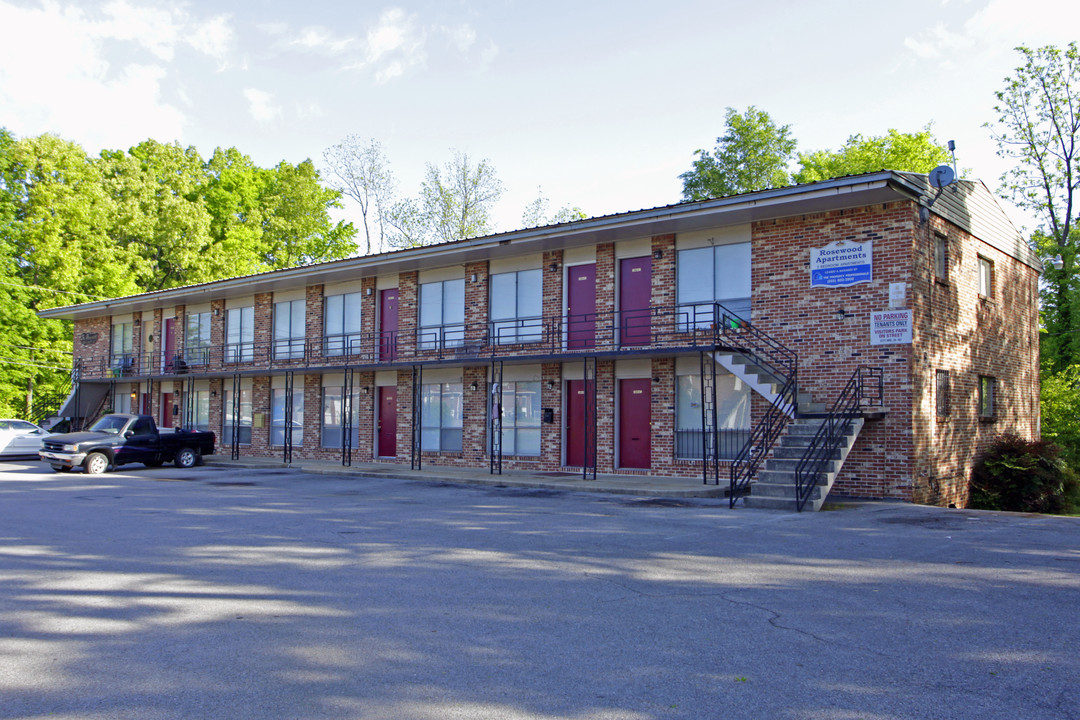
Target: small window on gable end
[[941, 258], [941, 394], [987, 397], [986, 277]]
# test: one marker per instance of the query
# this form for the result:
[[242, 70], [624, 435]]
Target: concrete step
[[784, 452], [785, 477], [768, 489], [758, 502], [789, 464]]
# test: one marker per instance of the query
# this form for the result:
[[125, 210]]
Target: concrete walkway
[[645, 485]]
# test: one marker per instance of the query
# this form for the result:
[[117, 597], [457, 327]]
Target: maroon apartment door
[[635, 292], [166, 410], [581, 307], [388, 315], [577, 425], [635, 411], [387, 421]]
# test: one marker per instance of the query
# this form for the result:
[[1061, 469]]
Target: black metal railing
[[691, 327], [864, 388], [762, 438]]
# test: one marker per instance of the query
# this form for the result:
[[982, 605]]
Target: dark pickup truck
[[120, 439]]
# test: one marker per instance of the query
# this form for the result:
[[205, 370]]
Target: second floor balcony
[[675, 328]]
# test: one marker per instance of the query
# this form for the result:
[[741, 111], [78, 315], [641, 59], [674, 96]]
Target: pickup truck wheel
[[96, 463], [186, 457]]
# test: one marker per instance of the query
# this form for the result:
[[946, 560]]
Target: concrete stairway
[[764, 382], [775, 485]]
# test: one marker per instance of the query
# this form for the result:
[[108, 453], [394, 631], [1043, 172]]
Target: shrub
[[1024, 475]]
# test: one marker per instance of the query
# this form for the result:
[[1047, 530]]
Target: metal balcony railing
[[690, 327]]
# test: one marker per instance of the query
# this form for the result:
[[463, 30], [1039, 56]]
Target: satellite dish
[[941, 176]]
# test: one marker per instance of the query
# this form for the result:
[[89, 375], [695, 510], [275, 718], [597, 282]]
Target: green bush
[[1025, 476]]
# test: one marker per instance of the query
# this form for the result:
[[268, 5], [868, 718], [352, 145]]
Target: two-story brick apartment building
[[674, 341]]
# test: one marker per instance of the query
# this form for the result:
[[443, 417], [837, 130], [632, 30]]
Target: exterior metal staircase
[[776, 488]]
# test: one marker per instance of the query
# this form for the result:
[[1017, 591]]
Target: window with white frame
[[201, 415], [289, 329], [516, 306], [278, 413], [333, 422], [442, 314], [987, 397], [732, 401], [122, 341], [441, 417], [341, 324], [240, 334], [229, 421], [710, 275], [520, 412], [197, 338], [986, 277]]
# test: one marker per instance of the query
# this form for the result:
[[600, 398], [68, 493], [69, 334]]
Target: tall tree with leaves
[[752, 155], [1038, 126], [455, 203], [918, 152], [359, 170]]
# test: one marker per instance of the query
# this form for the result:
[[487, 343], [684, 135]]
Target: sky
[[598, 105]]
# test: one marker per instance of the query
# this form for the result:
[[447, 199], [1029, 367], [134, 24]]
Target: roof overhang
[[836, 194]]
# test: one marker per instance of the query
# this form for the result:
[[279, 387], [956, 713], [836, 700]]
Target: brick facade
[[908, 452]]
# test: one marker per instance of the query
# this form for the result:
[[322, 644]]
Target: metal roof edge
[[775, 197]]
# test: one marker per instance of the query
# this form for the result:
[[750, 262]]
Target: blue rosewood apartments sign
[[842, 263]]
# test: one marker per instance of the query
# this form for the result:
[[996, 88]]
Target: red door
[[388, 421], [388, 314], [635, 292], [168, 346], [580, 428], [581, 307], [166, 410], [635, 411]]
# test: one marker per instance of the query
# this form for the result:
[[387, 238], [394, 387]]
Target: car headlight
[[69, 448]]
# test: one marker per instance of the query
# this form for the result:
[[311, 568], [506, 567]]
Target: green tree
[[296, 224], [1060, 403], [752, 155], [918, 152], [538, 212], [1038, 126], [455, 203]]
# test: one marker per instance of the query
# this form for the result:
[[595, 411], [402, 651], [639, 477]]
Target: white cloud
[[261, 105], [996, 28], [213, 37], [54, 78], [320, 39], [462, 37]]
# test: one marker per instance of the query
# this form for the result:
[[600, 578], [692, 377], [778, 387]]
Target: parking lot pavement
[[228, 593]]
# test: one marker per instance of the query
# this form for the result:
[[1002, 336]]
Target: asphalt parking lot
[[219, 592]]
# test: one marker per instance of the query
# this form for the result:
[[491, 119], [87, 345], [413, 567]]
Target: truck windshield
[[109, 424]]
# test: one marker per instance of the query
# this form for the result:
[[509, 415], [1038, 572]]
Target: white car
[[19, 438]]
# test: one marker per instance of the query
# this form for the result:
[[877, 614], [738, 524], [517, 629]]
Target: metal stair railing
[[762, 438], [865, 387]]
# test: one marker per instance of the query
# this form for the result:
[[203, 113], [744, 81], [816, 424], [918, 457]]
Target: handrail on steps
[[864, 388]]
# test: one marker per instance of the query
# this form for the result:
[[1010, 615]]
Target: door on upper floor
[[635, 294], [388, 328], [581, 307]]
